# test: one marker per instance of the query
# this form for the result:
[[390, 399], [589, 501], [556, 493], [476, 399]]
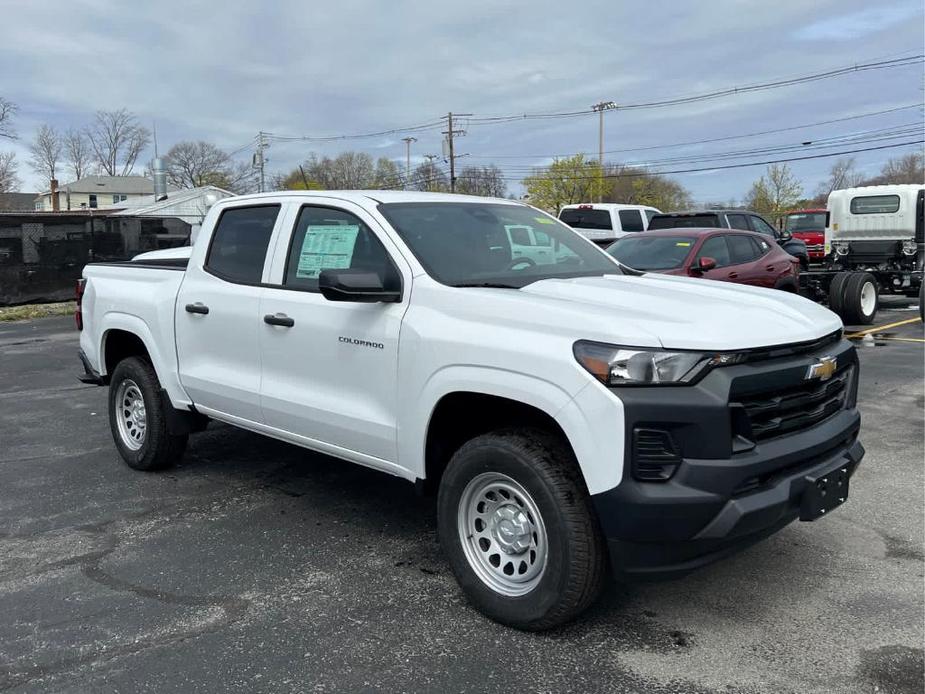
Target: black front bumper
[[726, 493]]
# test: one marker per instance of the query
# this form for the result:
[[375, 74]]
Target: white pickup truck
[[571, 414]]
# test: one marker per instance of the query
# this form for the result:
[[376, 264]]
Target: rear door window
[[579, 218], [741, 249], [715, 247], [238, 247], [631, 220], [738, 221]]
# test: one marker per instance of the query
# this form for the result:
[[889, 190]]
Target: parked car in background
[[729, 256], [809, 227], [733, 219], [603, 222]]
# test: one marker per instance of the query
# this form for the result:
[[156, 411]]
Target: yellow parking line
[[881, 328], [902, 339]]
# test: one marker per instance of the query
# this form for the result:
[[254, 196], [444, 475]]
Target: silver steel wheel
[[502, 534], [130, 414], [868, 298]]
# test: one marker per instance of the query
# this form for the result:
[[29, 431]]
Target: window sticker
[[683, 243], [544, 220], [327, 247]]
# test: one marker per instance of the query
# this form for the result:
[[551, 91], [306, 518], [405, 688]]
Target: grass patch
[[30, 311]]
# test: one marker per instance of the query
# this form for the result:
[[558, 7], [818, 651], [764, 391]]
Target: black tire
[[853, 312], [159, 448], [837, 292], [545, 467]]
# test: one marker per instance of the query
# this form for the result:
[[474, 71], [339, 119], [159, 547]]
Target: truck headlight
[[615, 365], [909, 247], [840, 247]]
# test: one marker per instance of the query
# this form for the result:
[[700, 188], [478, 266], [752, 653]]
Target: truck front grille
[[795, 408]]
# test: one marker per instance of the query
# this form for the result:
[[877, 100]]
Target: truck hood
[[687, 313]]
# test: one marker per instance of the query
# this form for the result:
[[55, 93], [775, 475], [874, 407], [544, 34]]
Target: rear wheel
[[860, 299], [518, 528], [136, 417]]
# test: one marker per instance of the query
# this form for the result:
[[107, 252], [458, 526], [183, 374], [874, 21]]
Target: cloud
[[855, 25], [292, 68]]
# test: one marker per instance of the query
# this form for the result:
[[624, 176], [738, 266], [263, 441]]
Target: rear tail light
[[655, 455], [78, 312]]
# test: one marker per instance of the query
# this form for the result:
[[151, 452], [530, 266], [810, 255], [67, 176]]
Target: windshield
[[690, 221], [479, 244], [644, 252], [805, 221]]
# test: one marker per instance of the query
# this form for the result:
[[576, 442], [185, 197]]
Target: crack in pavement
[[232, 607]]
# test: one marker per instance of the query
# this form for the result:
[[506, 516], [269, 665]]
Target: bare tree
[[428, 176], [909, 168], [77, 152], [117, 139], [46, 151], [482, 180], [196, 164], [841, 175], [7, 111], [9, 181]]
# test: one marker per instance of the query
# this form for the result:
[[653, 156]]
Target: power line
[[708, 140], [729, 91], [637, 174], [823, 143]]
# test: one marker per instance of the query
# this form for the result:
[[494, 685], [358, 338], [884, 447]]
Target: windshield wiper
[[489, 285]]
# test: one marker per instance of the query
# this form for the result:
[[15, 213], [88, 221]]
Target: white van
[[604, 222]]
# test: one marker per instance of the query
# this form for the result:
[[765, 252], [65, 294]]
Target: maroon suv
[[717, 254]]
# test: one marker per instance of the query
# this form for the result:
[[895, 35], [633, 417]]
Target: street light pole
[[408, 141], [600, 107]]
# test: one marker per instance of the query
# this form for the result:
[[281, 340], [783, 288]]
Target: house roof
[[128, 185], [177, 200], [17, 202]]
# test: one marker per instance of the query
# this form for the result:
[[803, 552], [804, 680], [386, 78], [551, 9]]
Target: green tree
[[564, 182], [775, 192]]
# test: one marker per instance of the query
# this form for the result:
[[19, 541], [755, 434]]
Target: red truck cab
[[808, 226]]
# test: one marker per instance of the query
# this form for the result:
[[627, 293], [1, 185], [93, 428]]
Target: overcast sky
[[223, 71]]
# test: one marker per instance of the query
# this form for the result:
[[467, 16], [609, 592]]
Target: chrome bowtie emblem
[[823, 369]]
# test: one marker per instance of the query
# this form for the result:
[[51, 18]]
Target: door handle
[[280, 319], [770, 268], [197, 308], [733, 275]]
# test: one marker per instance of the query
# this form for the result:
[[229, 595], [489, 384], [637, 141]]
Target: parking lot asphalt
[[256, 566]]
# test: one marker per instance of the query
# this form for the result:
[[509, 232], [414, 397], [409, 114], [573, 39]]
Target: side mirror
[[705, 264], [361, 286], [784, 235]]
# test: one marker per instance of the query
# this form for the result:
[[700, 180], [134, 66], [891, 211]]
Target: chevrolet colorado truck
[[574, 417]]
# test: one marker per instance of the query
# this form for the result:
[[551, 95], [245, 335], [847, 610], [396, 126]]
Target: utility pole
[[600, 107], [450, 134], [430, 170], [259, 162], [408, 141]]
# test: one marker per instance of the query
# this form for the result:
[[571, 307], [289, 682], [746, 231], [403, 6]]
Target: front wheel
[[136, 417], [516, 522]]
